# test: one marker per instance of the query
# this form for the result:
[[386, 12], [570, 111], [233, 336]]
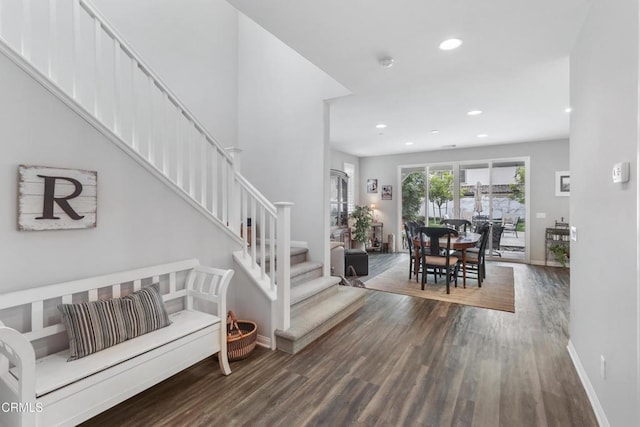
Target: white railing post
[[283, 260], [235, 201]]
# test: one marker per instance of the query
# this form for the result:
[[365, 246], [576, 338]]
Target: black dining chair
[[475, 257], [435, 258], [409, 233], [457, 224]]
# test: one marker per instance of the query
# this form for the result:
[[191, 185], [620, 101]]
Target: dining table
[[462, 242]]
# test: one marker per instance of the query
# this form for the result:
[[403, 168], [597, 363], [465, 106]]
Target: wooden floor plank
[[399, 360]]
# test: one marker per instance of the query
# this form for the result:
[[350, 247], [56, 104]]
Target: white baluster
[[263, 255], [244, 221], [283, 258], [151, 149], [25, 35], [214, 181], [97, 83], [254, 225], [179, 149], [53, 40], [134, 104], [166, 137], [272, 251], [117, 83], [203, 170], [75, 51], [192, 160], [224, 175]]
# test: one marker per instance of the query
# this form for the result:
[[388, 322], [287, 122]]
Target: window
[[350, 170]]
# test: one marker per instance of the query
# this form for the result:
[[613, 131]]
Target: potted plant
[[360, 224], [560, 253]]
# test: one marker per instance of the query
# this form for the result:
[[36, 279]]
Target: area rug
[[496, 292]]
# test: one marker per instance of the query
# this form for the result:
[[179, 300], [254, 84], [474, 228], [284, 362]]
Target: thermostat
[[620, 172]]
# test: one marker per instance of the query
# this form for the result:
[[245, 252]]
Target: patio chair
[[510, 223]]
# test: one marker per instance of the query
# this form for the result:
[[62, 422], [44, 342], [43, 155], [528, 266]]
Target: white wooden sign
[[56, 199]]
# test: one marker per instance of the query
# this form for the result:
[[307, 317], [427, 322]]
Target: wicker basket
[[239, 347]]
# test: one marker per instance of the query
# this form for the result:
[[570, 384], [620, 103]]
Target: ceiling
[[513, 65]]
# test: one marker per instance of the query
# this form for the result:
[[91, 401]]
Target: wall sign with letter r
[[56, 199]]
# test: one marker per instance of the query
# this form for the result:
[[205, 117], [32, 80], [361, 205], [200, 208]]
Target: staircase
[[83, 61], [318, 303]]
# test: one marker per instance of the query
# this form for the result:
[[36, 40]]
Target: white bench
[[49, 391]]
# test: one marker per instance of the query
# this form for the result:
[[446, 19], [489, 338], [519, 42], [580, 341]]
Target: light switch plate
[[541, 215], [574, 233]]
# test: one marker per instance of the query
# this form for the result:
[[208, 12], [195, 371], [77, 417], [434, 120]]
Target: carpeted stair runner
[[317, 304]]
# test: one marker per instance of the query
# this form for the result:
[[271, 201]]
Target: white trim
[[263, 341], [588, 387]]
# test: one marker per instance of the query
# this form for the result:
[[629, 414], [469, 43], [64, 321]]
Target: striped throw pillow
[[144, 311], [93, 326]]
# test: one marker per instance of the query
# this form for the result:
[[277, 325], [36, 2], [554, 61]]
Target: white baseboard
[[263, 341], [588, 387]]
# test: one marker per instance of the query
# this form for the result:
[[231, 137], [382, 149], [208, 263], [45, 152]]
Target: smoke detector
[[386, 62]]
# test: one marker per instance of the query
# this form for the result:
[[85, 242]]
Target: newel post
[[283, 264], [235, 200]]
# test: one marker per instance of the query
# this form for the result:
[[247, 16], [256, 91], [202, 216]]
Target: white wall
[[546, 158], [140, 220], [281, 122], [193, 46], [604, 259]]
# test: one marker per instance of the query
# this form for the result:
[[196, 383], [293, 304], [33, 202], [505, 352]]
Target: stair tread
[[320, 312], [310, 288], [304, 267], [267, 251]]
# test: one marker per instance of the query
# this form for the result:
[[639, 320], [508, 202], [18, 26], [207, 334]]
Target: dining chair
[[457, 224], [436, 258], [476, 256], [409, 233]]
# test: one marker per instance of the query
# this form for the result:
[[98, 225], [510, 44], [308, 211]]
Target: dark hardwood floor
[[399, 361]]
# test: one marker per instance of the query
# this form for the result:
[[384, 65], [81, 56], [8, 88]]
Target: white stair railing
[[71, 49]]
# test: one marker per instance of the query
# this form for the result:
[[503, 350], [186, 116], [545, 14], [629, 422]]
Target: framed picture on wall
[[387, 192], [563, 183], [372, 185]]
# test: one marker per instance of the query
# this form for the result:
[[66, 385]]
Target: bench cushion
[[54, 372]]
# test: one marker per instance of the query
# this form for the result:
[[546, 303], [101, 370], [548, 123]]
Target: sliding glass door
[[488, 190]]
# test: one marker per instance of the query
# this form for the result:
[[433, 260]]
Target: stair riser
[[316, 298], [292, 347], [304, 277], [295, 259]]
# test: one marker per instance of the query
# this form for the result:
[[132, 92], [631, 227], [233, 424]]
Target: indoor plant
[[560, 253], [360, 224]]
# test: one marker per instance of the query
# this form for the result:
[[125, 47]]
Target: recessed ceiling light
[[381, 126], [450, 44], [409, 143], [435, 131], [474, 112], [482, 135], [567, 110]]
